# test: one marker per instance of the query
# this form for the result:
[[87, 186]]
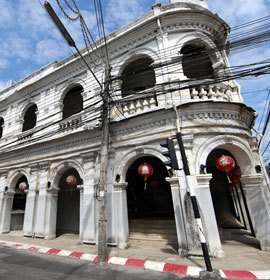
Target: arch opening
[[138, 75], [150, 206], [30, 118], [196, 62], [68, 204], [153, 199], [1, 127], [73, 102], [18, 205], [226, 212]]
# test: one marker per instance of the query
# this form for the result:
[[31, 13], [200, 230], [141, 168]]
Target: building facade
[[167, 67]]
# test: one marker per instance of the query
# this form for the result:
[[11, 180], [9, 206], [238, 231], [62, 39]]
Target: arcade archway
[[150, 206], [68, 204], [229, 202], [19, 203], [152, 200]]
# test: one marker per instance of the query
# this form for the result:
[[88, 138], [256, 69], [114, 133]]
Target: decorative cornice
[[167, 28]]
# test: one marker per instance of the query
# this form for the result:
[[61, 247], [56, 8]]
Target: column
[[257, 197], [88, 203], [179, 191], [50, 213], [45, 220], [205, 203], [5, 215], [120, 214], [31, 202]]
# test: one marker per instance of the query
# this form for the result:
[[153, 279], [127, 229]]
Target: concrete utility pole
[[102, 225]]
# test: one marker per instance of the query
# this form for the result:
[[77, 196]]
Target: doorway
[[229, 203], [18, 205], [150, 205], [224, 202], [68, 204]]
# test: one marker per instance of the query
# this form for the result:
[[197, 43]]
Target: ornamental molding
[[131, 45], [217, 116], [186, 118], [57, 149], [158, 123], [140, 126], [25, 93], [167, 28]]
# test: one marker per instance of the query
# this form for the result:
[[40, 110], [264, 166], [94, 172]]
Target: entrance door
[[68, 205], [150, 206]]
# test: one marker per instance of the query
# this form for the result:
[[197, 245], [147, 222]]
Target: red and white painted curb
[[149, 265]]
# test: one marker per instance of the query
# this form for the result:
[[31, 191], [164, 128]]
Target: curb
[[182, 270]]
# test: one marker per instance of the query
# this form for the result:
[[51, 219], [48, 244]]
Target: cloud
[[4, 63], [7, 14], [48, 50], [235, 11], [32, 20], [3, 85], [17, 46], [120, 12]]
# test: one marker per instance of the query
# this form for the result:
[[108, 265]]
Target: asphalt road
[[22, 265]]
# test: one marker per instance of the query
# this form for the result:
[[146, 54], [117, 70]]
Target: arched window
[[138, 75], [196, 62], [1, 127], [73, 102], [30, 118]]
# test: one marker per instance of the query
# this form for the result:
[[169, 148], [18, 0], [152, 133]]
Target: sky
[[30, 40]]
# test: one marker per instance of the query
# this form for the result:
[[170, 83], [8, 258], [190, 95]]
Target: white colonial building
[[167, 65]]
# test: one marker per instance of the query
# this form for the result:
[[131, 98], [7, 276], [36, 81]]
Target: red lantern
[[225, 163], [230, 186], [145, 170], [71, 181], [236, 174], [22, 186]]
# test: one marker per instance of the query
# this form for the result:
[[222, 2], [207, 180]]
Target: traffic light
[[170, 153]]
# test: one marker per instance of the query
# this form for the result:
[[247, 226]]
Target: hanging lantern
[[22, 186], [235, 174], [230, 186], [71, 181], [145, 170], [225, 163]]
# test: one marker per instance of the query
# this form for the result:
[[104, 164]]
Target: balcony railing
[[26, 135], [71, 123], [132, 107], [220, 92]]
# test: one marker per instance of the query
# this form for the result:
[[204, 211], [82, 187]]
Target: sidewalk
[[243, 258]]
